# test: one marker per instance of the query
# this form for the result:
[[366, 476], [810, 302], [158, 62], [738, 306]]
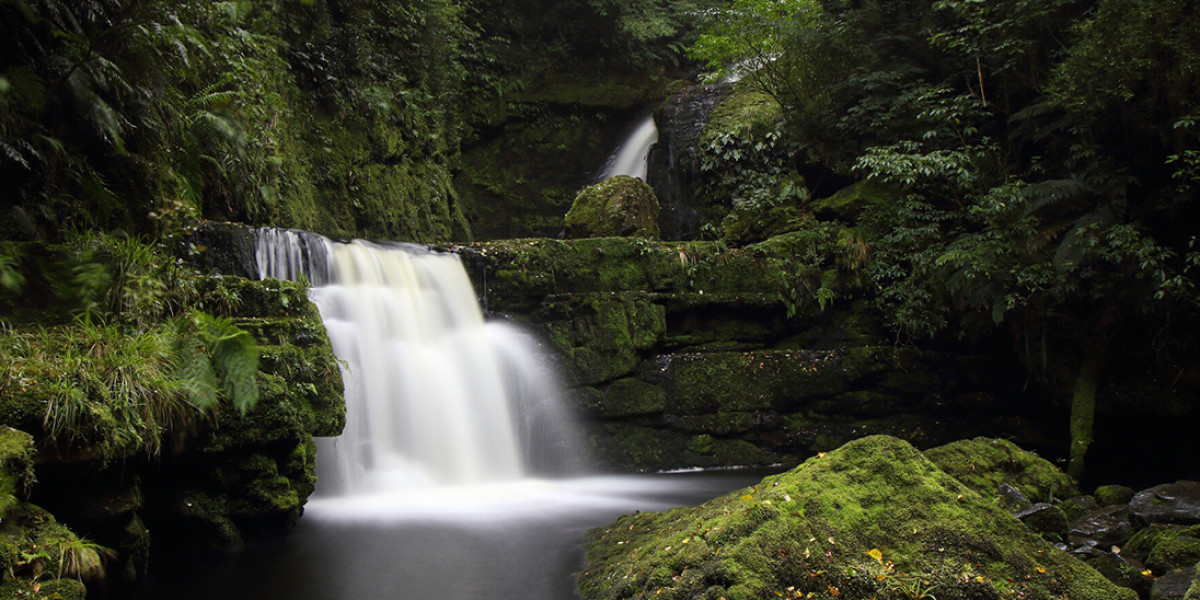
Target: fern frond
[[1077, 244], [1055, 192]]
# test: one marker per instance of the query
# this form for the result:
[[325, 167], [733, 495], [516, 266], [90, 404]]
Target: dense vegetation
[[1026, 166], [1012, 174]]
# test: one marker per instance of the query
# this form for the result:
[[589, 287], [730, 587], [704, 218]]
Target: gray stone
[[1177, 502], [1104, 527], [1173, 585], [1046, 519]]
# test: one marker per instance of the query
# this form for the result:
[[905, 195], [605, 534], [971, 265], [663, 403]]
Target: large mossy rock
[[873, 519], [985, 464], [620, 206]]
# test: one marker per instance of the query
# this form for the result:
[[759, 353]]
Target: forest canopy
[[1038, 163]]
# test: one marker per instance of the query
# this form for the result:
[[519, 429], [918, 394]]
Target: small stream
[[516, 541]]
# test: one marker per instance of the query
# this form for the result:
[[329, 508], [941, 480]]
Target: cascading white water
[[631, 157], [431, 389]]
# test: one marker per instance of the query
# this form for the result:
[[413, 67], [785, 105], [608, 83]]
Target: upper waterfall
[[631, 157], [435, 395]]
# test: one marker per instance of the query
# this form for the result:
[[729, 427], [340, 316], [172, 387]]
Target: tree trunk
[[1083, 409]]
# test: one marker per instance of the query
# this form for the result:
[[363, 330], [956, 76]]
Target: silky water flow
[[435, 395], [632, 156], [437, 488]]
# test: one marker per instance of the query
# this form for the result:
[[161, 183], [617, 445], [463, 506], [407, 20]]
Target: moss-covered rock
[[874, 518], [749, 224], [1109, 495], [620, 206], [983, 464], [1166, 547], [40, 557], [639, 447], [1193, 592], [848, 203], [723, 382], [16, 465], [602, 338], [630, 397]]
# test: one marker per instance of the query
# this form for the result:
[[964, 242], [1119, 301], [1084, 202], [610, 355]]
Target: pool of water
[[517, 541]]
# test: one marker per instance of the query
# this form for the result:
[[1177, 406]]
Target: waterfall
[[434, 394], [630, 157]]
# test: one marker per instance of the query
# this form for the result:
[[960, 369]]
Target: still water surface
[[515, 541]]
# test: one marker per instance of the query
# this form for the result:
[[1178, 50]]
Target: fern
[[214, 359], [1056, 192]]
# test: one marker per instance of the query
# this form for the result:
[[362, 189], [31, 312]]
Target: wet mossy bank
[[121, 455], [872, 519], [686, 354]]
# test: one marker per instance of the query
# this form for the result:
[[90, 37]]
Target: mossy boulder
[[984, 464], [746, 224], [874, 518], [16, 464], [1166, 547], [1110, 495], [38, 553], [620, 206], [848, 203]]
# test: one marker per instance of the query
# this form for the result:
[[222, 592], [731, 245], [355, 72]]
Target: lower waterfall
[[435, 395]]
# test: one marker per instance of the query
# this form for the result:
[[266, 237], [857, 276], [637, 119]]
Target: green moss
[[57, 589], [628, 447], [742, 112], [518, 274], [602, 338], [848, 203], [16, 465], [813, 533], [982, 464], [747, 223], [1109, 495], [38, 551], [1165, 547], [1193, 592], [1175, 552], [631, 397], [618, 206], [721, 382]]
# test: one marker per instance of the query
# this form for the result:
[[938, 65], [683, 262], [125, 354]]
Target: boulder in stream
[[619, 206], [1177, 502]]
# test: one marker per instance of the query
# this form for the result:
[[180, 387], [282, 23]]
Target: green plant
[[82, 559], [214, 359]]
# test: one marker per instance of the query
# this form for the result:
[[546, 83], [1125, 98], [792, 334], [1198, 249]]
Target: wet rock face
[[685, 354], [1103, 528], [1173, 585], [1177, 502], [674, 168]]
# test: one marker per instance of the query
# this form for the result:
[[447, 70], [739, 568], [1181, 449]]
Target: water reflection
[[514, 541]]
